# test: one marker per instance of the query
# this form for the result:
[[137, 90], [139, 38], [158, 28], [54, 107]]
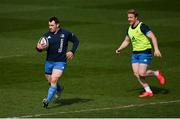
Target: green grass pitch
[[98, 83]]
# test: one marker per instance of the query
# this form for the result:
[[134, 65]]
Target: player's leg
[[142, 75], [135, 67], [48, 72], [56, 74], [158, 75], [60, 66], [59, 88], [146, 59], [137, 70]]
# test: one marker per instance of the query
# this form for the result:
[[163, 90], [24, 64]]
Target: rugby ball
[[44, 41]]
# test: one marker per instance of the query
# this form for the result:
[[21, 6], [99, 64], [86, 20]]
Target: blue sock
[[51, 92]]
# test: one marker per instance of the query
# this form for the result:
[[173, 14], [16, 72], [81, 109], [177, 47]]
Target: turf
[[98, 83]]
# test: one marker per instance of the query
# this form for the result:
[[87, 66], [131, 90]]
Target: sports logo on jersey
[[48, 37], [145, 60], [62, 35]]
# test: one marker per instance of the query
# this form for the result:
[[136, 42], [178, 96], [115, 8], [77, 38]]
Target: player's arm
[[157, 52], [123, 45], [146, 30], [75, 41]]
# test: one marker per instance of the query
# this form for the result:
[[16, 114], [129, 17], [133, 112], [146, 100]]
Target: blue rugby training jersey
[[58, 44]]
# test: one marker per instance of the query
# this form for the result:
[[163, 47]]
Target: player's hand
[[69, 55], [41, 46], [118, 51], [157, 53]]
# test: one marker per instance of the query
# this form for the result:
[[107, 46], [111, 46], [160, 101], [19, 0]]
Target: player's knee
[[136, 74], [54, 82], [54, 77]]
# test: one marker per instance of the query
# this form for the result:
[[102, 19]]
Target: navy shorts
[[49, 66], [142, 58]]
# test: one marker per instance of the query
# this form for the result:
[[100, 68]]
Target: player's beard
[[51, 30]]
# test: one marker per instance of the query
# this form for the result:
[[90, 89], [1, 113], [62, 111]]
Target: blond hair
[[133, 11]]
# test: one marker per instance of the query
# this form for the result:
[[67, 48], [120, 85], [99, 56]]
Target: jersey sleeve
[[72, 38], [145, 29]]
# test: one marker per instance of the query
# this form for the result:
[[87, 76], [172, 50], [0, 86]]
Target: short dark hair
[[133, 11], [55, 19]]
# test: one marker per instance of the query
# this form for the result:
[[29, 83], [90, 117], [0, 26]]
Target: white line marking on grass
[[102, 109], [9, 56]]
